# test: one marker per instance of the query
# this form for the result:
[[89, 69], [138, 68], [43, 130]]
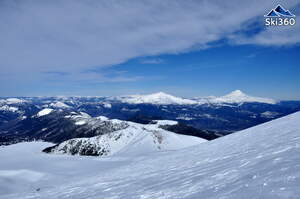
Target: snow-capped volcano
[[238, 96], [156, 98]]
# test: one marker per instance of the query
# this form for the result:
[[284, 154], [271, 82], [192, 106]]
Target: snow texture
[[44, 112], [79, 123], [260, 162]]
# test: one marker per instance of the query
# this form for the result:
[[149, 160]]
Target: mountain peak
[[160, 94], [238, 96], [157, 98], [236, 93]]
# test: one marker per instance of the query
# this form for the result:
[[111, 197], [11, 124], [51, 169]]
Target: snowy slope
[[44, 112], [133, 140], [155, 98], [260, 162]]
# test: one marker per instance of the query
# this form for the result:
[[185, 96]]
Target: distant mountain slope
[[238, 96], [60, 125], [260, 162], [57, 126], [162, 98], [223, 115]]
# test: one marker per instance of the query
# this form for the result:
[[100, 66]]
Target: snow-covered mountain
[[162, 98], [12, 101], [155, 98], [260, 162], [215, 115], [59, 104], [135, 139], [9, 108], [11, 104], [238, 96], [57, 126]]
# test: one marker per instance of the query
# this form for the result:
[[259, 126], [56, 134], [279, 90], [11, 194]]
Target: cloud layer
[[72, 36]]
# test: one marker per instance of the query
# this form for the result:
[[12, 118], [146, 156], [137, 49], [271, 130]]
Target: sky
[[183, 47]]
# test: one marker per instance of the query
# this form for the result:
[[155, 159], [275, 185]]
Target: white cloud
[[92, 77], [272, 36], [152, 61], [71, 36]]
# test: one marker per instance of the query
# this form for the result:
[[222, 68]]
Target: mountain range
[[162, 98], [149, 146], [259, 162], [54, 119]]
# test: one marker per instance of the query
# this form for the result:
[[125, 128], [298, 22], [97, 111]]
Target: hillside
[[132, 140]]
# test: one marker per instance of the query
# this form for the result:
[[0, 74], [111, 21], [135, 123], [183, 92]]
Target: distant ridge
[[236, 96]]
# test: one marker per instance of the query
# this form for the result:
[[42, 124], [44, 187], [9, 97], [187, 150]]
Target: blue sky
[[262, 71], [185, 48]]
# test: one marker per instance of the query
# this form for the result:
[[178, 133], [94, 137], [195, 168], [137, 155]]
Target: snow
[[184, 118], [238, 96], [165, 122], [85, 115], [59, 105], [78, 116], [9, 108], [269, 114], [260, 162], [107, 105], [103, 118], [130, 110], [132, 140], [14, 101], [81, 122], [21, 174], [44, 112], [162, 98], [156, 98]]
